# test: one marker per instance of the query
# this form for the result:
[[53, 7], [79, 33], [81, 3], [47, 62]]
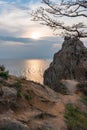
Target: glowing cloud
[[35, 35]]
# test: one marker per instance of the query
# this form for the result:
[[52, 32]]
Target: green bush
[[82, 87], [18, 86], [3, 74], [75, 119], [84, 99], [27, 97], [19, 94], [61, 88], [2, 68]]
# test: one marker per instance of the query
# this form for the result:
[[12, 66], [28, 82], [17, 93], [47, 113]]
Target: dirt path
[[71, 85], [72, 97]]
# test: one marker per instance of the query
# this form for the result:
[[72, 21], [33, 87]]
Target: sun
[[35, 35]]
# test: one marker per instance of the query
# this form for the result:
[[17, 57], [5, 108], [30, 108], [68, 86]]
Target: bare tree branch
[[50, 15]]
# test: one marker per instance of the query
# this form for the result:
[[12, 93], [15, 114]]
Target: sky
[[20, 37]]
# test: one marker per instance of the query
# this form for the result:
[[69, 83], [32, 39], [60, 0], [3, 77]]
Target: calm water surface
[[31, 69]]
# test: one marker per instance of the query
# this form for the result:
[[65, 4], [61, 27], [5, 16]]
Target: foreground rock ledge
[[68, 63], [26, 105]]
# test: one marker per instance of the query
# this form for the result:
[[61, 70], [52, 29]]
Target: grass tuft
[[75, 119], [18, 86], [84, 99], [27, 97]]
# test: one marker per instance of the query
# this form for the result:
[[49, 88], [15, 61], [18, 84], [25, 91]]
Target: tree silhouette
[[56, 14]]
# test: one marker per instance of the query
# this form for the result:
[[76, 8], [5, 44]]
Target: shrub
[[3, 74], [75, 119], [84, 99], [27, 97], [18, 85], [61, 88], [2, 68], [82, 87], [19, 94]]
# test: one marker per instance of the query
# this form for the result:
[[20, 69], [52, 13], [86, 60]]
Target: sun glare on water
[[35, 35]]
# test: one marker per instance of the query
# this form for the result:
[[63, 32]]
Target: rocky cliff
[[69, 63]]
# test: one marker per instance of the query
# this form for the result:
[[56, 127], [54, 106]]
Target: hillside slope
[[26, 105]]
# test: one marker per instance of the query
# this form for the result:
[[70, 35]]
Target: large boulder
[[11, 124], [8, 94], [68, 63]]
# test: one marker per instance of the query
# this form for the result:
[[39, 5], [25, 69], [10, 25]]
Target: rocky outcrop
[[69, 63], [8, 94], [11, 124]]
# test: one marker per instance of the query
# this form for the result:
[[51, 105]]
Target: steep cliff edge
[[69, 63]]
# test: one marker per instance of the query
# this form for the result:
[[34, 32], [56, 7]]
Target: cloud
[[16, 27], [12, 47], [15, 19], [30, 40]]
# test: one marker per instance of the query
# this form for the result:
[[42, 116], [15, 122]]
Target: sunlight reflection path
[[32, 69]]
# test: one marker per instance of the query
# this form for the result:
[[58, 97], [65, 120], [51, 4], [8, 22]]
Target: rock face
[[69, 63]]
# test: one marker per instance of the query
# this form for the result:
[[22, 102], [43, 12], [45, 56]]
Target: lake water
[[31, 69]]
